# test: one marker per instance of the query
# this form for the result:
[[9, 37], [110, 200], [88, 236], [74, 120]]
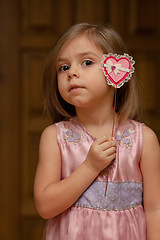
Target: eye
[[87, 62], [63, 68]]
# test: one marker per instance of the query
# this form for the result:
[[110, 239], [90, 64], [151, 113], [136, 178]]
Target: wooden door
[[9, 121], [28, 29]]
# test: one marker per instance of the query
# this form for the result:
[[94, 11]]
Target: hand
[[101, 153]]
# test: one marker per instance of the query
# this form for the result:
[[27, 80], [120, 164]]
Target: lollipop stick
[[114, 115]]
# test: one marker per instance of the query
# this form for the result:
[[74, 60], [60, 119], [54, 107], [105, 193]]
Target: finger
[[110, 151], [106, 145], [111, 157], [102, 139]]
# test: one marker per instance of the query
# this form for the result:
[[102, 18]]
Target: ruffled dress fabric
[[117, 216]]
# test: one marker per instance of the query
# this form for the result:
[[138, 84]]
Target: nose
[[73, 73]]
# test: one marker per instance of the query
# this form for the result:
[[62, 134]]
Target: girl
[[78, 159]]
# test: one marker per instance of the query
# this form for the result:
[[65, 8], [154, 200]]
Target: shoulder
[[49, 132], [52, 133], [131, 128], [130, 123], [151, 149], [149, 137], [49, 151], [48, 140]]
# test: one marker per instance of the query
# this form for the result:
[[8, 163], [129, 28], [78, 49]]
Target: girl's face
[[81, 81]]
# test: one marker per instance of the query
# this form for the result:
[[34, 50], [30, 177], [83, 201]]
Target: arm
[[53, 195], [150, 166]]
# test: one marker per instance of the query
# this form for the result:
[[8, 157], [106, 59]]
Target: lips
[[74, 87]]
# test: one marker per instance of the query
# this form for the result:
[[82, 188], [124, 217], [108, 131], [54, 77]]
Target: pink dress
[[117, 216]]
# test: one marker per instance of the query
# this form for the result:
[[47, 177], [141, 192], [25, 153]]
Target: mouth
[[74, 87]]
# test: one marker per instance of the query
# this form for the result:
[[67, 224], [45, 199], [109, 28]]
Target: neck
[[97, 116], [97, 121]]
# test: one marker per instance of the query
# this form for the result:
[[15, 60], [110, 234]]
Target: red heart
[[118, 68]]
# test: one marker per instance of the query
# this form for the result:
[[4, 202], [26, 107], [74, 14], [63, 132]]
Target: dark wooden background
[[28, 29]]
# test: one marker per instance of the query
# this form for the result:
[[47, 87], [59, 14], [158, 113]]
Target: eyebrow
[[83, 54]]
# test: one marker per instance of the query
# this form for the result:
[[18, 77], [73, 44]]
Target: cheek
[[100, 74], [61, 88], [60, 84]]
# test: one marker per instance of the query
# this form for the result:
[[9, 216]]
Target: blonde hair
[[109, 41]]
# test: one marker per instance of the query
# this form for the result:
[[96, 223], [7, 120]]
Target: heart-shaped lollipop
[[118, 69]]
